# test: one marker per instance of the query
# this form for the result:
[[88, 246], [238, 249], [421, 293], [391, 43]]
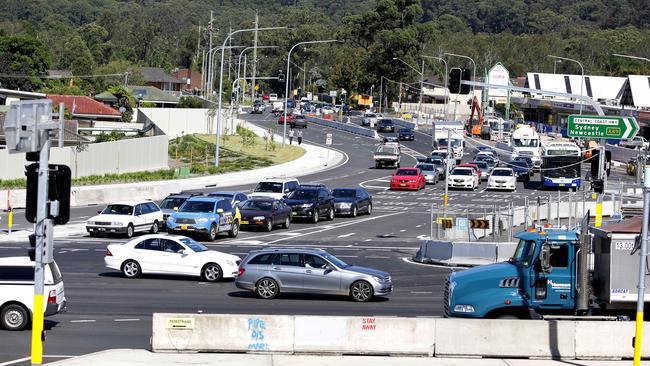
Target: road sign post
[[328, 142], [599, 127]]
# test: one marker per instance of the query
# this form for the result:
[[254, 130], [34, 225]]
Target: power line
[[23, 76]]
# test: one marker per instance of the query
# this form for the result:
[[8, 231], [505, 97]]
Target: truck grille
[[185, 221], [445, 298]]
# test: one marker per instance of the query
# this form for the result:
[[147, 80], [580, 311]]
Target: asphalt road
[[106, 310]]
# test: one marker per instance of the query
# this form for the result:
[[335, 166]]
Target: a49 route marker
[[602, 127]]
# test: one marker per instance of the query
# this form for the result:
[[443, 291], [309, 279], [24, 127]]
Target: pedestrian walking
[[290, 136], [299, 137]]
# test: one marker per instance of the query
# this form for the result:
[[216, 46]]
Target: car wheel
[[330, 214], [131, 269], [314, 217], [235, 229], [154, 227], [129, 231], [267, 288], [398, 165], [212, 234], [211, 272], [361, 291], [269, 225], [353, 211], [369, 209], [15, 317], [287, 223]]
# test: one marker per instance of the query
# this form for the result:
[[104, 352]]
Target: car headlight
[[116, 224], [306, 205], [463, 309], [378, 279], [201, 220], [345, 205], [258, 218]]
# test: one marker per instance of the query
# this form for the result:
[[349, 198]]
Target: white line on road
[[126, 320], [15, 361], [347, 256], [83, 321], [421, 292], [345, 235], [368, 240], [401, 231], [10, 248], [377, 257]]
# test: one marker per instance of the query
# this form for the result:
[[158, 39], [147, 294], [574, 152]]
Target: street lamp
[[632, 57], [582, 71], [473, 64], [286, 88], [555, 65], [421, 73], [446, 81], [218, 134], [239, 62]]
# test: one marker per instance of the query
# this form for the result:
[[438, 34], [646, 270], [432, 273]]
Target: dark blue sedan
[[352, 201], [521, 168], [406, 134], [265, 213]]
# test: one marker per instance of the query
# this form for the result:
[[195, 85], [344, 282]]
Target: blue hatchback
[[208, 216]]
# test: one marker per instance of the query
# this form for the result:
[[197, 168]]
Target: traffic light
[[281, 77], [464, 89], [454, 80], [598, 185], [32, 250], [59, 184], [595, 164]]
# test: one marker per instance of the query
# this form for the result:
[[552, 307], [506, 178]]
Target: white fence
[[115, 157]]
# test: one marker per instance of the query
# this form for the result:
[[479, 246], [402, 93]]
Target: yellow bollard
[[10, 219]]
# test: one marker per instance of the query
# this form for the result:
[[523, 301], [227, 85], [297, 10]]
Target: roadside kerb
[[432, 337], [348, 127]]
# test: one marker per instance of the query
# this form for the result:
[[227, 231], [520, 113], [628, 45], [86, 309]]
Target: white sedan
[[502, 178], [462, 177], [170, 254]]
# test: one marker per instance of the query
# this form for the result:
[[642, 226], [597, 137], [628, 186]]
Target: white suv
[[126, 218], [275, 187], [17, 292]]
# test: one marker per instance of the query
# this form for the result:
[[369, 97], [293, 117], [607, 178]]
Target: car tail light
[[241, 271], [108, 253], [51, 297]]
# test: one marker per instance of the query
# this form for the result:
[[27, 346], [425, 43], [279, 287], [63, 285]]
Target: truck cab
[[538, 279]]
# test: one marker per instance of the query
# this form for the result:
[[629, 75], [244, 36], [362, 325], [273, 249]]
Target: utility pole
[[208, 87], [229, 50], [198, 42], [126, 79], [254, 69]]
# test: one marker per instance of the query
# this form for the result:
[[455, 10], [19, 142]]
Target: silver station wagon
[[270, 271]]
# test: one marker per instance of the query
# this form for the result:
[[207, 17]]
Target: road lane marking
[[376, 257], [83, 321], [126, 320], [345, 235], [421, 292], [15, 361], [418, 225], [403, 230], [347, 256]]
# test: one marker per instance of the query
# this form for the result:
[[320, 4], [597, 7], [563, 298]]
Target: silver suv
[[269, 271]]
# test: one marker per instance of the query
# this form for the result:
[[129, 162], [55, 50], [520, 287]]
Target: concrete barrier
[[364, 335], [511, 338], [404, 123], [463, 253], [348, 127], [222, 332], [608, 340]]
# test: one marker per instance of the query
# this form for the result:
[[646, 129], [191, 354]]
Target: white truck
[[525, 142], [387, 156], [457, 140]]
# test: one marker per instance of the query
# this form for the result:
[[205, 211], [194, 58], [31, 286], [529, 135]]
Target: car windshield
[[303, 194], [525, 142], [407, 172], [519, 163], [272, 187], [502, 173], [437, 162], [485, 158], [170, 202], [386, 122], [344, 193], [481, 164], [464, 171], [196, 247], [371, 115], [405, 130], [427, 167], [335, 261], [257, 205], [524, 252], [197, 206], [118, 210]]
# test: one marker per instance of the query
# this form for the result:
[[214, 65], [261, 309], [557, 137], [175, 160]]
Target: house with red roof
[[86, 108]]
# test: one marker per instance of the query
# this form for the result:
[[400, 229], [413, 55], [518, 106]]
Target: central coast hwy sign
[[602, 127]]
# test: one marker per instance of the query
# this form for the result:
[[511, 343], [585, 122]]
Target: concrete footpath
[[130, 357], [316, 159]]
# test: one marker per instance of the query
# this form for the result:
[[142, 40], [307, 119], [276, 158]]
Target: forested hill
[[95, 36]]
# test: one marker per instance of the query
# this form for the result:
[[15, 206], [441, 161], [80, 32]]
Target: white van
[[17, 292], [273, 97]]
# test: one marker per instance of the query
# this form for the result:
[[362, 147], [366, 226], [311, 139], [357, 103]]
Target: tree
[[77, 57], [124, 99], [190, 102], [23, 55]]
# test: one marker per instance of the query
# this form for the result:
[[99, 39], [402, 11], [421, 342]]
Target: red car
[[265, 97], [473, 166], [408, 178], [289, 119]]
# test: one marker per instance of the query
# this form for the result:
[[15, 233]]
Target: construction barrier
[[432, 337]]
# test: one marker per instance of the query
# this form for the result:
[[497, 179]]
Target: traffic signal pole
[[40, 229], [643, 254]]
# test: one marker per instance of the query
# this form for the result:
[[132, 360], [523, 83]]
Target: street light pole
[[555, 65], [218, 134], [473, 64], [421, 73], [286, 87], [446, 82], [582, 74], [254, 58]]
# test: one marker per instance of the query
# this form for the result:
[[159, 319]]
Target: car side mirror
[[181, 252], [99, 212], [220, 210], [175, 208], [329, 268], [545, 259]]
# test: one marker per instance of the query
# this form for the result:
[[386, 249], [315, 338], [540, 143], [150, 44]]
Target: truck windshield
[[454, 142], [525, 142], [524, 252]]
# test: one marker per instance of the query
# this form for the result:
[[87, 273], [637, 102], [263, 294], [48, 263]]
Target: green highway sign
[[602, 127]]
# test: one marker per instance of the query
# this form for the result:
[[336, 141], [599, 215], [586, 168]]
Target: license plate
[[183, 227], [101, 229], [561, 184], [402, 185], [294, 213], [244, 222]]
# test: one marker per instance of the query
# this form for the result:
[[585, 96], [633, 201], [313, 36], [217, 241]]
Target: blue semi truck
[[554, 272]]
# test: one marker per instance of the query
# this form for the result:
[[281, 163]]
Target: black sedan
[[385, 125], [406, 134], [352, 201], [265, 212], [521, 168], [299, 121]]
